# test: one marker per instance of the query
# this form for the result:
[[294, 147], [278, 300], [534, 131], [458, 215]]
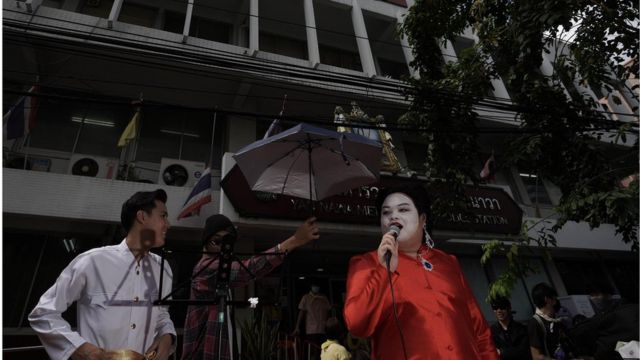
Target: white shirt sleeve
[[164, 324], [54, 332]]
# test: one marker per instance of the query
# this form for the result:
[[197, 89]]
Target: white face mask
[[399, 209]]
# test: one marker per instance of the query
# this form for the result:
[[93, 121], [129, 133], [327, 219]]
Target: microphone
[[395, 231]]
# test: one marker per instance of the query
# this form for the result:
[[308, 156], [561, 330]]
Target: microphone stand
[[226, 257]]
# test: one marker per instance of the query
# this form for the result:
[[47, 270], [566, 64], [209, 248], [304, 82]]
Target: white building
[[212, 75]]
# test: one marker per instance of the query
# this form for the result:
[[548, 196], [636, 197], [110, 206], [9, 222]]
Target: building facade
[[211, 76]]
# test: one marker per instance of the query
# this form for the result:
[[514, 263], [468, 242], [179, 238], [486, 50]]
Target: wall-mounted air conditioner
[[175, 172], [93, 166]]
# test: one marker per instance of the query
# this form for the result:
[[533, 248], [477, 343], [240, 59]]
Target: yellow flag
[[130, 132]]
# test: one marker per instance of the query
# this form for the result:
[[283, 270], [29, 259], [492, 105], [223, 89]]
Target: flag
[[130, 131], [200, 195], [626, 182], [275, 127], [20, 119], [489, 169]]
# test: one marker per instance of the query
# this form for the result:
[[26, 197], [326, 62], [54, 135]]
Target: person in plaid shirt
[[201, 325]]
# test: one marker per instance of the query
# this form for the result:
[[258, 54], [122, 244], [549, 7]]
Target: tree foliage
[[562, 134]]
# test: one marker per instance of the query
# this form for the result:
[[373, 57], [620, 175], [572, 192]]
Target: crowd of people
[[408, 298]]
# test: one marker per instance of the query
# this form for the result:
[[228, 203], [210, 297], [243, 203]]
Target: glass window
[[577, 275], [174, 133], [625, 277], [283, 46], [56, 4], [340, 58], [173, 21], [416, 155], [394, 69], [535, 189], [461, 44], [477, 280], [138, 14], [103, 125], [98, 8], [210, 30]]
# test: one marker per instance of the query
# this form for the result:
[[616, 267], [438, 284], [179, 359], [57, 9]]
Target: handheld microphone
[[395, 231]]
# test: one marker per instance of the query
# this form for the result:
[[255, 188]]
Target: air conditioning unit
[[93, 166], [175, 172]]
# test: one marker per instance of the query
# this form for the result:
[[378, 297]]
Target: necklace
[[426, 264]]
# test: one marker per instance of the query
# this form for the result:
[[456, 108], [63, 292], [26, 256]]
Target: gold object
[[125, 354]]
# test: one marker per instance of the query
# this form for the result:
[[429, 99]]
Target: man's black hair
[[540, 292], [500, 302], [142, 200]]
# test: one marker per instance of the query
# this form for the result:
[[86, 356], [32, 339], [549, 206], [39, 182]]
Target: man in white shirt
[[114, 287]]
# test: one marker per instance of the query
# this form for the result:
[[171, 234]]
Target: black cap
[[214, 224]]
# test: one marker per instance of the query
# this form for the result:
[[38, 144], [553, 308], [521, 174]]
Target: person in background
[[615, 320], [547, 333], [437, 315], [202, 325], [314, 310], [332, 349], [114, 288], [509, 336]]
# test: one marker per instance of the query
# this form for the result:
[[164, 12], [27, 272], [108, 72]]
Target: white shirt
[[115, 298]]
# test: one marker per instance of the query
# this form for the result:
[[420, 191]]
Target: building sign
[[492, 209]]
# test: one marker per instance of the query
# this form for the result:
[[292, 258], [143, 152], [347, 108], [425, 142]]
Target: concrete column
[[187, 21], [364, 48], [254, 28], [115, 12], [312, 34], [406, 50]]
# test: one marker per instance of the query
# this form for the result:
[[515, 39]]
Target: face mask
[[315, 289]]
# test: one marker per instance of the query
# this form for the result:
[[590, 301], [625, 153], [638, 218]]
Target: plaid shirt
[[201, 325]]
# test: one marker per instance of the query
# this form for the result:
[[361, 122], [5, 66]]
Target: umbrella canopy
[[310, 162]]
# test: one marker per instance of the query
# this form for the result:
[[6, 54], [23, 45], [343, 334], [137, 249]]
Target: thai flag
[[489, 169], [20, 119], [200, 195]]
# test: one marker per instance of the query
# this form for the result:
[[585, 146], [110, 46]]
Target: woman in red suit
[[436, 310]]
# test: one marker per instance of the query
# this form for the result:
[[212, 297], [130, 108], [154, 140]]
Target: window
[[173, 22], [138, 14], [210, 30], [340, 58], [416, 155], [394, 69], [98, 8], [170, 133], [56, 4], [535, 189], [283, 46], [577, 275], [477, 280], [402, 3]]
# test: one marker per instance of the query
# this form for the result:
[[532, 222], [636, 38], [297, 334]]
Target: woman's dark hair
[[142, 200], [540, 292], [416, 193]]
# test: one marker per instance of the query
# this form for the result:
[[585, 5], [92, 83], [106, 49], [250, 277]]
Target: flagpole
[[213, 135], [138, 130], [78, 133], [27, 141]]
